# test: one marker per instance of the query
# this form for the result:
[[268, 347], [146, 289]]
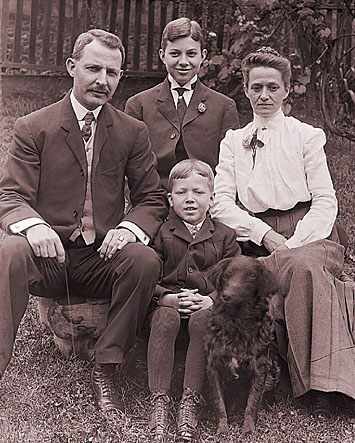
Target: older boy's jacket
[[186, 259], [207, 119]]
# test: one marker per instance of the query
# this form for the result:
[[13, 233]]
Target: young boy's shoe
[[159, 416], [187, 416]]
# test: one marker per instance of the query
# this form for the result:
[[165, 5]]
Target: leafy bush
[[323, 80]]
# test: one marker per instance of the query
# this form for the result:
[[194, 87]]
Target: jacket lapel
[[101, 134], [199, 96], [73, 135], [166, 105], [180, 230], [205, 232]]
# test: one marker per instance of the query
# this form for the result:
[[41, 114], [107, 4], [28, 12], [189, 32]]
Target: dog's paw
[[248, 426], [222, 427]]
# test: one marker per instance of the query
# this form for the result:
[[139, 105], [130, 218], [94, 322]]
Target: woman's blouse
[[287, 166]]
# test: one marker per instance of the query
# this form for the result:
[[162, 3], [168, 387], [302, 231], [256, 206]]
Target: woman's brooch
[[252, 142]]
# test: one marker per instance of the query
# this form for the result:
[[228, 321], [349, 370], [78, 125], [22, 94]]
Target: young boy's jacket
[[186, 259]]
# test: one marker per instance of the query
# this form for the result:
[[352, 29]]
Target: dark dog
[[240, 339]]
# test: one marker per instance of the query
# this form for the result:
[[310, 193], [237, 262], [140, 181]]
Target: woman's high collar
[[270, 122]]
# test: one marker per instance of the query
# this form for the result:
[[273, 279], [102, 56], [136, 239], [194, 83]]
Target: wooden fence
[[38, 35]]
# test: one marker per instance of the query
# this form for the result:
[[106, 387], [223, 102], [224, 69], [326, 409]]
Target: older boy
[[185, 118], [188, 243]]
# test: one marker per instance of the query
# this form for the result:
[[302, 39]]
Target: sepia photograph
[[177, 237]]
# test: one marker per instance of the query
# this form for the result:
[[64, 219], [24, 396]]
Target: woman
[[286, 210]]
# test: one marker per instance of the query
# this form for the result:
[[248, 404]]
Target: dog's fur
[[240, 340]]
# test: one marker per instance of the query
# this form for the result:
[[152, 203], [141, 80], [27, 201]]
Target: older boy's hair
[[269, 58], [106, 38], [185, 168], [182, 27]]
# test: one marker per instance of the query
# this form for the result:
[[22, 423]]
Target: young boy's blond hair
[[185, 168]]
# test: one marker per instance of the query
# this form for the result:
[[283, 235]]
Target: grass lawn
[[45, 398]]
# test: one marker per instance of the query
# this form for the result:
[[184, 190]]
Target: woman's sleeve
[[317, 224], [225, 208]]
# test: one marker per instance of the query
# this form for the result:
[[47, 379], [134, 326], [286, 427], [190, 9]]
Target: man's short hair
[[185, 168], [182, 27], [107, 39], [268, 58]]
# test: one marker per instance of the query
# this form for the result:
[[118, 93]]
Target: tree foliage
[[323, 79]]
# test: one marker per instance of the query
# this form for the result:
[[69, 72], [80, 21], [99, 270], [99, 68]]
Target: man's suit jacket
[[46, 172], [208, 117], [186, 259]]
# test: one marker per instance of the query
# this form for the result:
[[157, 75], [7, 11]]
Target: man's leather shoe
[[103, 383]]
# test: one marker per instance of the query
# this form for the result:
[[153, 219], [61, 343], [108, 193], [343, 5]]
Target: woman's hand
[[273, 240]]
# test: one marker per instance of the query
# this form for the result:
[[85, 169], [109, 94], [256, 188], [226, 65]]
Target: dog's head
[[242, 283]]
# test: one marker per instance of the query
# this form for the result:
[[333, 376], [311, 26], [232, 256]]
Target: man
[[62, 202], [185, 118]]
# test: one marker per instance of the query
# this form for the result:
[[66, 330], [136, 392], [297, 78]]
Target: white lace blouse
[[289, 168]]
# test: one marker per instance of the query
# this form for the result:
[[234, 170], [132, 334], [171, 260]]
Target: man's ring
[[120, 238]]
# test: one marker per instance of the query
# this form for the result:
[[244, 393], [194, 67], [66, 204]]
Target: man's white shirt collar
[[80, 110]]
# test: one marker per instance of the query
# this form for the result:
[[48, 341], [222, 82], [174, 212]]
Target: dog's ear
[[215, 274], [267, 281]]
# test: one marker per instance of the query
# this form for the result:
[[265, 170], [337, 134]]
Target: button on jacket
[[186, 259], [203, 126], [46, 161]]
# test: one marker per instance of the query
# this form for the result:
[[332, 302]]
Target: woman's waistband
[[279, 212]]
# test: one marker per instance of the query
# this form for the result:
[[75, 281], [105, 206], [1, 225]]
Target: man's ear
[[204, 54], [162, 55], [170, 199], [70, 65]]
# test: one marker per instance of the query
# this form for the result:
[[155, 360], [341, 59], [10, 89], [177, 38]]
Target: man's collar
[[189, 85], [80, 111]]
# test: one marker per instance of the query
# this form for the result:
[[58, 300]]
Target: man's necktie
[[86, 130], [181, 104], [180, 152]]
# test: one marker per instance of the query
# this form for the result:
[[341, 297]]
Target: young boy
[[185, 118], [188, 243]]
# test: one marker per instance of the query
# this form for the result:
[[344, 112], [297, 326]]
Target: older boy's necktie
[[181, 104], [86, 130], [180, 152]]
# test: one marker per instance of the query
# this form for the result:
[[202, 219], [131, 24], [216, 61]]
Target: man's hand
[[273, 240], [45, 242], [115, 240]]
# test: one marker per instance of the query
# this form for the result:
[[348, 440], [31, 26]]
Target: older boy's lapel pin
[[201, 107]]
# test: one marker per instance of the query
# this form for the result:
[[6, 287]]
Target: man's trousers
[[128, 279]]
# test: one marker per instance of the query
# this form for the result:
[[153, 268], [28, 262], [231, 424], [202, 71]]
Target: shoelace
[[188, 408], [160, 404], [107, 385]]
